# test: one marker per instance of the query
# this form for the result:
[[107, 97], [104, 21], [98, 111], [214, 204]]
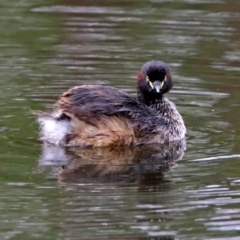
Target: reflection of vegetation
[[24, 31], [26, 42], [219, 72]]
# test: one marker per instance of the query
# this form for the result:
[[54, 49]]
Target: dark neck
[[167, 116], [154, 103]]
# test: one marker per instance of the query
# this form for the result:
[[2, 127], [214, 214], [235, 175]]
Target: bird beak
[[157, 86]]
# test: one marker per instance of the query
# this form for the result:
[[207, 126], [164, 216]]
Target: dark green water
[[47, 47]]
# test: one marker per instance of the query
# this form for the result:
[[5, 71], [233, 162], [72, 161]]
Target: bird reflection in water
[[143, 165]]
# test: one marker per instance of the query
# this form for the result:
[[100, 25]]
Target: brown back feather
[[109, 131]]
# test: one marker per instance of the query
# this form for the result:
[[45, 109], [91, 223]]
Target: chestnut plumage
[[97, 116]]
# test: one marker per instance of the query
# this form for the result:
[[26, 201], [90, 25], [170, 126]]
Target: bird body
[[99, 116]]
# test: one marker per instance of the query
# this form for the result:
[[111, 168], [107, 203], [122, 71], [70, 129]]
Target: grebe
[[100, 116]]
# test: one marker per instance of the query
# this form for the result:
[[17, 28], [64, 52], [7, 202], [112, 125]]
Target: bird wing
[[89, 103]]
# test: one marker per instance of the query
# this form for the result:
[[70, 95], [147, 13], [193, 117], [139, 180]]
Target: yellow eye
[[151, 85], [163, 81], [149, 82]]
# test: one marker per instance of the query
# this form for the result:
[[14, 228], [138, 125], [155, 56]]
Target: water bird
[[101, 116]]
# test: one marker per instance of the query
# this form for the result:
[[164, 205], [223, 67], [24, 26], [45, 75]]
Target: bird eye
[[163, 81], [149, 82]]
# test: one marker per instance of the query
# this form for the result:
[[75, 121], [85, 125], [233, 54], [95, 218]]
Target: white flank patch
[[54, 131]]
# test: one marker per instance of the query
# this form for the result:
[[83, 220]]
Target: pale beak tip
[[157, 89]]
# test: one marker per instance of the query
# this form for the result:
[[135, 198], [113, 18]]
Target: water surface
[[172, 193]]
